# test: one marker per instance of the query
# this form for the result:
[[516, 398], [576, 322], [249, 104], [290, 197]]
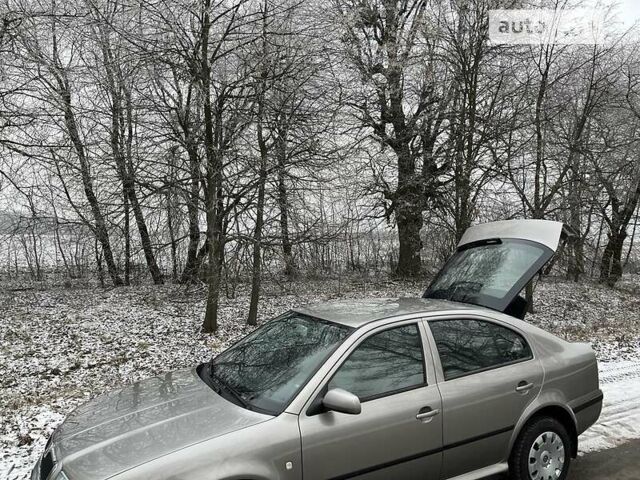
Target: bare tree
[[617, 170], [118, 82], [399, 102], [55, 78]]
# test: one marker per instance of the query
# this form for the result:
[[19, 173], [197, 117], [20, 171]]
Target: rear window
[[490, 274]]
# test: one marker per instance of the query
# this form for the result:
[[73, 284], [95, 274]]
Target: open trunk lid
[[494, 262]]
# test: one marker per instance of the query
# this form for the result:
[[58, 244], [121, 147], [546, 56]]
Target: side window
[[467, 346], [385, 363]]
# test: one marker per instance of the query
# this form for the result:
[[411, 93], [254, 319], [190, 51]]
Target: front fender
[[258, 452]]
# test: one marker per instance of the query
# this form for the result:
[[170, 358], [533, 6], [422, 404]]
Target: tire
[[542, 449]]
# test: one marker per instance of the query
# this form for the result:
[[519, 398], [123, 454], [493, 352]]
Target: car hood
[[146, 420]]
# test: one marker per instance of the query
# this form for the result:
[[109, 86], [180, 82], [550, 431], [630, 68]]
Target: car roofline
[[456, 308]]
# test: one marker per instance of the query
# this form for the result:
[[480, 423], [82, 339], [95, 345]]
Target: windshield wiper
[[223, 387]]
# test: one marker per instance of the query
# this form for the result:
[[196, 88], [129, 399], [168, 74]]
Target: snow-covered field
[[60, 347]]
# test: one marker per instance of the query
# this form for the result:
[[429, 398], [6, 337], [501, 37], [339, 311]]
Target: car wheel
[[542, 451]]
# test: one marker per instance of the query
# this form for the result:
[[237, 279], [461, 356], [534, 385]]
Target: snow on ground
[[60, 347], [620, 418], [608, 319]]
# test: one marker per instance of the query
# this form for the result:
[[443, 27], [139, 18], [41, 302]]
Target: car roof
[[358, 312]]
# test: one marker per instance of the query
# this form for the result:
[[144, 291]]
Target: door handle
[[524, 387], [427, 413]]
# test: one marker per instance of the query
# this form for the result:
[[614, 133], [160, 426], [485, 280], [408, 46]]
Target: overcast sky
[[627, 12]]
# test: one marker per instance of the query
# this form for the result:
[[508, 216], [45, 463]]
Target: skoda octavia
[[454, 385]]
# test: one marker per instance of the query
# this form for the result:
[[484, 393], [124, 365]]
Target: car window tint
[[466, 346], [386, 362]]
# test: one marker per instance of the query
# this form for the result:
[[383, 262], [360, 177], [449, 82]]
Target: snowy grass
[[607, 318], [61, 347]]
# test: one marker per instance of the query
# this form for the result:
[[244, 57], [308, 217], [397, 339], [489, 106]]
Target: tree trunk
[[256, 272], [528, 295], [409, 225], [99, 264], [616, 261], [611, 265], [127, 238], [172, 236], [597, 249], [408, 211], [575, 267], [214, 183], [58, 240], [290, 269], [210, 323], [190, 272], [631, 242], [145, 239]]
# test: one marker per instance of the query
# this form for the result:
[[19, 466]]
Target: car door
[[398, 433], [489, 374]]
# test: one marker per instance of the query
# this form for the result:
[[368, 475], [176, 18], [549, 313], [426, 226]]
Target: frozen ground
[[61, 347], [620, 418]]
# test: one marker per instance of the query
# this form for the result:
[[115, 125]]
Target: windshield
[[490, 273], [267, 368]]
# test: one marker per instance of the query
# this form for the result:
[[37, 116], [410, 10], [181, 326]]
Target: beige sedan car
[[450, 386]]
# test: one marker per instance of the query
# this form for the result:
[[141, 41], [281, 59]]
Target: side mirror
[[339, 400]]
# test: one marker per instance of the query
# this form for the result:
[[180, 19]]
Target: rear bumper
[[588, 411]]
